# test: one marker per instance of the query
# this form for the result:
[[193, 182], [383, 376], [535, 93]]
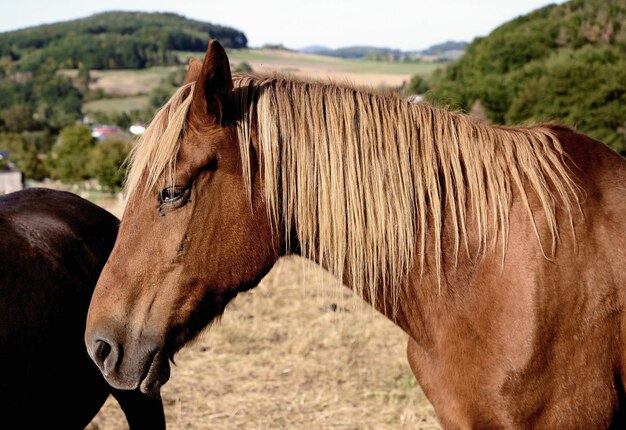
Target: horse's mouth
[[156, 374]]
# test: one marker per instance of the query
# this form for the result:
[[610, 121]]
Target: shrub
[[243, 67]]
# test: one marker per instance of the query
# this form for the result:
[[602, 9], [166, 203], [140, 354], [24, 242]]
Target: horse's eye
[[172, 194]]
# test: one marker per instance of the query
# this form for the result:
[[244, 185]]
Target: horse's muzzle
[[129, 364]]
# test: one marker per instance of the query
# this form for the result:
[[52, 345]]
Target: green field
[[116, 104]]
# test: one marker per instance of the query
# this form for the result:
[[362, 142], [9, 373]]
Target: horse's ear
[[215, 84], [193, 71]]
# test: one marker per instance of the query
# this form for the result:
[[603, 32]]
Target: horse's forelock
[[154, 154]]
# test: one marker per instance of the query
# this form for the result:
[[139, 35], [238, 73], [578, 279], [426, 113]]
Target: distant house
[[11, 180], [103, 131], [4, 160]]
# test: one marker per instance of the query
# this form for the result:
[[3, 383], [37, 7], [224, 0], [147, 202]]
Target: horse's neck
[[426, 291]]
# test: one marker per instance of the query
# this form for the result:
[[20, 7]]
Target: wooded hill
[[562, 62], [113, 40], [38, 102], [444, 51]]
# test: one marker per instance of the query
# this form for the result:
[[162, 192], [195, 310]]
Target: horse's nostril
[[105, 355], [102, 351]]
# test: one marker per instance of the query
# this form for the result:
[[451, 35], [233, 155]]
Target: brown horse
[[500, 251]]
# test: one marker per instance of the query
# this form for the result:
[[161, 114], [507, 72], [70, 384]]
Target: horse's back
[[51, 224], [600, 170], [53, 247]]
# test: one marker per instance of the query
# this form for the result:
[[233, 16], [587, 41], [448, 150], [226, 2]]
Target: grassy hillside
[[113, 40], [565, 62], [117, 68]]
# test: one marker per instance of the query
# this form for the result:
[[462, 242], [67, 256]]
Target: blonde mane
[[362, 178]]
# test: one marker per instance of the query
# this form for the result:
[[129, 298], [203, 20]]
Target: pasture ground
[[297, 352], [117, 104]]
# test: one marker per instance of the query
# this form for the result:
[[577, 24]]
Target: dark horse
[[52, 248], [500, 251]]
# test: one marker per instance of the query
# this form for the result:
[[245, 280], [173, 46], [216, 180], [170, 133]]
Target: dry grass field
[[297, 352], [358, 72], [127, 89], [125, 83]]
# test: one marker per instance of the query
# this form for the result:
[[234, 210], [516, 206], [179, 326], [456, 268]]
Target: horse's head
[[194, 233]]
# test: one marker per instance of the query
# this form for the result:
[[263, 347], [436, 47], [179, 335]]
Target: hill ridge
[[114, 39], [560, 62]]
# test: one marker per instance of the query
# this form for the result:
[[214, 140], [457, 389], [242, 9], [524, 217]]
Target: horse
[[498, 250], [54, 245]]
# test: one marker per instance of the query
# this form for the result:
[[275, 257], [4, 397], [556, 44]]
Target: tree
[[69, 157], [59, 103], [106, 163], [160, 95], [83, 79], [4, 163], [586, 88], [5, 67], [18, 118], [164, 91]]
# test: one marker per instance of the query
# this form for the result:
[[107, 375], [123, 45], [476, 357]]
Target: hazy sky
[[402, 24]]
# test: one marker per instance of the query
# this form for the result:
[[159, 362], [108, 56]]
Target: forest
[[564, 63], [113, 40]]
